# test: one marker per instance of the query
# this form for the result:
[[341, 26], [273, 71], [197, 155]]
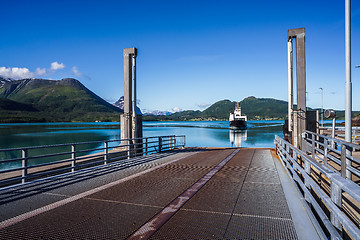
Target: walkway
[[192, 194]]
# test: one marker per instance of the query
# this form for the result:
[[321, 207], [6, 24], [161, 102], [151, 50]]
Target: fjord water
[[198, 134]]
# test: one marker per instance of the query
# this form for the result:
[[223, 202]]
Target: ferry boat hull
[[239, 124]]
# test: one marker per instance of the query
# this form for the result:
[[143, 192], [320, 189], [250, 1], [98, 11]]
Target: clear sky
[[190, 53]]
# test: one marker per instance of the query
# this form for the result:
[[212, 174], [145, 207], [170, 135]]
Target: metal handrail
[[355, 133], [71, 157], [300, 167], [324, 149]]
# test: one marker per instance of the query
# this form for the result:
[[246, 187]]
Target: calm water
[[198, 134]]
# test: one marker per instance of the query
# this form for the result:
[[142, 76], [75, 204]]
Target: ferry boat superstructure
[[236, 119]]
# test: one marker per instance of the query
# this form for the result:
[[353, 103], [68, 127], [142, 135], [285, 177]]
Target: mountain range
[[254, 108], [68, 100], [41, 100]]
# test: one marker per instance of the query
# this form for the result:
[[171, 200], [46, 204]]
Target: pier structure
[[297, 118], [172, 192], [131, 121], [182, 194]]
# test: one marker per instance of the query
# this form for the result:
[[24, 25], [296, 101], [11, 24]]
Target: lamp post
[[348, 87], [322, 107]]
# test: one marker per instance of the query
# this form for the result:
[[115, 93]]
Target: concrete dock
[[184, 194]]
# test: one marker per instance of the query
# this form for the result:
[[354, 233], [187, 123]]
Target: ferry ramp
[[185, 194]]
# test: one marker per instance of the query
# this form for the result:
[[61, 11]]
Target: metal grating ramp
[[244, 200], [116, 212]]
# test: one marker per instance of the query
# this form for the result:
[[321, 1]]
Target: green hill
[[219, 110], [40, 100], [254, 108], [264, 108]]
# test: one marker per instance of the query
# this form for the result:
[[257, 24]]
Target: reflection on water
[[217, 133], [198, 134], [236, 136]]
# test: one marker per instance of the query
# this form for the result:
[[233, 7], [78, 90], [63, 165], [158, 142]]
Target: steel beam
[[129, 89], [299, 35], [290, 83]]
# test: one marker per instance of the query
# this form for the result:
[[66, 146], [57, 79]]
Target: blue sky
[[190, 53]]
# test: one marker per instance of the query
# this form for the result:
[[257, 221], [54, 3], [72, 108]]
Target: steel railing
[[20, 165], [333, 153], [332, 198], [340, 133]]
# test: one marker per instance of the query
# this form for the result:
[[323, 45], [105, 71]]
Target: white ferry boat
[[236, 119]]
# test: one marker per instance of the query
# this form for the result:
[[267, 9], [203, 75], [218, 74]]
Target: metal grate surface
[[83, 219], [263, 175], [245, 227], [244, 200], [262, 200], [262, 159], [193, 225], [116, 212]]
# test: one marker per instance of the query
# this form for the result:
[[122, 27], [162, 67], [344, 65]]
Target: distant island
[[68, 100]]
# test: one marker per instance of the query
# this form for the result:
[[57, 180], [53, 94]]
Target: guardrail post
[[353, 136], [106, 154], [336, 197], [128, 148], [146, 146], [307, 167], [349, 151], [24, 163], [313, 145], [294, 155], [325, 152], [317, 141], [287, 149], [343, 161], [73, 157], [160, 144]]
